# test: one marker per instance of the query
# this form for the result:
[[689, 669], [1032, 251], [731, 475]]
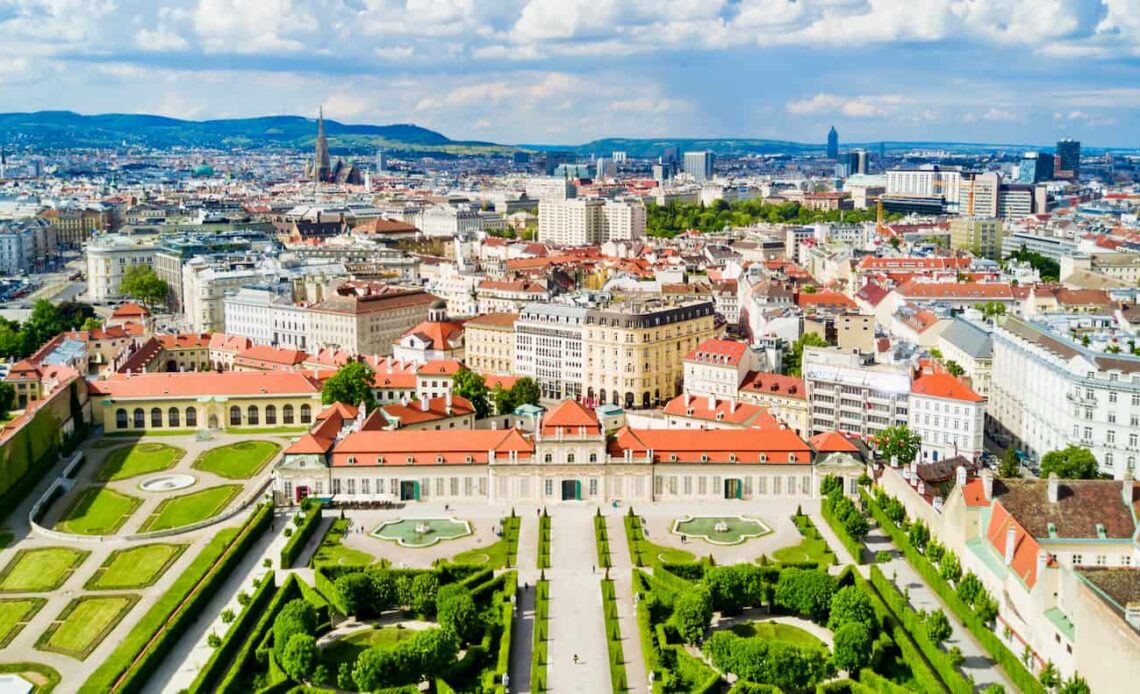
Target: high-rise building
[[620, 157], [832, 143], [381, 161], [854, 162], [590, 221], [699, 165], [978, 194], [1069, 156], [1035, 167], [980, 236], [605, 168]]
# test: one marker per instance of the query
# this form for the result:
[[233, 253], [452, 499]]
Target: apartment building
[[75, 225], [267, 315], [970, 345], [1048, 391], [548, 348], [108, 258], [205, 285], [490, 343], [716, 368], [589, 221], [449, 221], [948, 415], [366, 318], [25, 245], [979, 235], [508, 296], [848, 394]]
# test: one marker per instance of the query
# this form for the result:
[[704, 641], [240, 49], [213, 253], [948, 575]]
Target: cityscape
[[719, 374]]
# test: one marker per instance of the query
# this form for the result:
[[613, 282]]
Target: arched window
[[121, 419], [173, 417], [270, 414], [287, 414], [191, 417], [306, 414], [139, 417], [156, 417], [235, 416], [569, 457], [252, 416]]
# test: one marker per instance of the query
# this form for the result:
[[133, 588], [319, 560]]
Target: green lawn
[[98, 511], [736, 530], [43, 677], [345, 650], [14, 615], [237, 461], [771, 631], [135, 567], [178, 511], [139, 459], [39, 570], [332, 553], [812, 548], [84, 623]]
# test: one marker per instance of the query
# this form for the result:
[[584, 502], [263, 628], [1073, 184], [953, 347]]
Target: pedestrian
[[575, 658], [591, 568], [538, 512]]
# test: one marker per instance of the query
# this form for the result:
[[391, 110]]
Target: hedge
[[310, 521], [649, 648], [235, 638], [538, 656], [27, 457], [544, 542], [1011, 664], [132, 663], [874, 682], [633, 538], [854, 547], [937, 657], [245, 661], [511, 525], [507, 616], [613, 636]]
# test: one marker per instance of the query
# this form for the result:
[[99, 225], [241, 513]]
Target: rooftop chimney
[[424, 403], [988, 485], [712, 401], [1054, 487], [687, 399], [1010, 543]]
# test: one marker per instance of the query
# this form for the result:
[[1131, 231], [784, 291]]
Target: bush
[[692, 614], [937, 627], [355, 591], [768, 662], [455, 609], [806, 592], [227, 616], [299, 656], [243, 598], [852, 646], [427, 652], [735, 587], [307, 524], [851, 605], [213, 640]]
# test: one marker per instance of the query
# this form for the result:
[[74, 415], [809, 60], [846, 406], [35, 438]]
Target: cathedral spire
[[322, 167]]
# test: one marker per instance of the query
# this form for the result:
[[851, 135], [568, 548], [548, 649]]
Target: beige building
[[366, 319], [979, 235], [490, 343], [590, 221], [108, 258], [784, 396]]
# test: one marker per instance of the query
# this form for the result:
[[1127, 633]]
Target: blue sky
[[568, 71]]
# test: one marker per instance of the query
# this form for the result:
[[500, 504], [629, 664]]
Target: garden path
[[622, 574], [576, 624]]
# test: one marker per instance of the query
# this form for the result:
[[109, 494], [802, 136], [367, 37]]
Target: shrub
[[970, 588], [307, 524], [213, 640], [852, 647], [692, 614], [344, 677], [455, 609], [734, 587], [297, 617], [299, 656], [355, 591], [806, 592], [851, 605], [243, 598], [937, 626]]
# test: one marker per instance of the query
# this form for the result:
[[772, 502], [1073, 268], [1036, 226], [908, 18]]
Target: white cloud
[[855, 106], [264, 26]]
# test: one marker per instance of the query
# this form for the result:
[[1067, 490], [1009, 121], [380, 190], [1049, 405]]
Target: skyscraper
[[1069, 153], [381, 161], [1035, 167], [699, 165], [832, 144]]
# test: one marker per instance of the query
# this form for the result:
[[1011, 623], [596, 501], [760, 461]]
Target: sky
[[570, 71]]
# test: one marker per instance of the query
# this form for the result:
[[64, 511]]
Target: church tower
[[322, 167]]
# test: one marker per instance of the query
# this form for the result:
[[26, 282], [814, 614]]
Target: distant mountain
[[654, 147], [68, 129]]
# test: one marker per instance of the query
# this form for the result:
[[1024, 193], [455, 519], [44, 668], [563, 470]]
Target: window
[[1126, 560], [121, 419], [687, 485], [548, 458], [270, 414], [548, 487], [569, 457], [235, 416], [351, 486], [336, 486], [1101, 560], [439, 486], [593, 457], [364, 486], [139, 418], [468, 486], [1110, 436], [453, 486], [252, 415], [306, 414], [702, 485], [287, 414], [593, 486], [172, 417], [761, 485], [1077, 560], [191, 417]]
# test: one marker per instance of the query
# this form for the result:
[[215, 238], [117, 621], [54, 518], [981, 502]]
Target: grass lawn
[[178, 511], [37, 570], [84, 623], [771, 631], [136, 567], [332, 553], [812, 548], [345, 650], [237, 461], [98, 511], [14, 615], [139, 459], [43, 677]]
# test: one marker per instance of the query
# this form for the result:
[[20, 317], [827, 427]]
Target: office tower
[[1035, 167], [1069, 154], [554, 159], [699, 165], [832, 143], [979, 235], [620, 157], [978, 194], [668, 156], [882, 157], [381, 161], [605, 168], [854, 162]]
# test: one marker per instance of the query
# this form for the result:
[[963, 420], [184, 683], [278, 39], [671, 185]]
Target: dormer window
[[732, 457], [719, 416], [411, 459], [379, 460], [471, 459], [352, 460], [763, 457], [791, 457], [439, 459], [672, 457], [704, 457]]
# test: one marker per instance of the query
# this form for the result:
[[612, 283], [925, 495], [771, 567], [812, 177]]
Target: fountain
[[167, 483]]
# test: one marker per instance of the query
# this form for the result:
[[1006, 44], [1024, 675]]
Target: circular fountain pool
[[167, 483]]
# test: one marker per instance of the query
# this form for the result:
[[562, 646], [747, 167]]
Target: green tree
[[11, 340], [425, 587], [938, 626], [991, 309], [935, 353], [919, 534], [849, 605], [472, 386], [7, 399], [299, 656], [805, 591], [91, 324], [142, 283], [1075, 685], [950, 568], [1071, 463], [385, 593], [501, 400], [953, 368], [525, 391], [1010, 466], [344, 676], [455, 609], [350, 385], [970, 588], [852, 647], [692, 614], [1049, 677], [1049, 269], [45, 322], [900, 443], [793, 360], [296, 617], [356, 593]]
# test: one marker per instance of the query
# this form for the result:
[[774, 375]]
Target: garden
[[720, 530], [84, 623], [502, 554], [134, 567], [332, 552], [186, 509], [139, 459], [642, 552], [812, 549], [98, 511], [15, 613], [237, 461], [40, 570], [422, 532]]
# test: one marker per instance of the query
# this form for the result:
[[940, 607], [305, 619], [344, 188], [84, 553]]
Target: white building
[[445, 220], [1048, 391], [24, 243], [932, 182], [267, 315], [108, 258], [204, 289], [716, 368], [548, 348], [948, 415], [590, 221], [850, 396]]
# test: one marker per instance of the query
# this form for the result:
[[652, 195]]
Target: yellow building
[[234, 399], [633, 352], [979, 235], [490, 343]]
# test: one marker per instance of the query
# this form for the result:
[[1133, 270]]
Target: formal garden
[[241, 460], [720, 530], [422, 532], [187, 509], [98, 511], [138, 459], [40, 570], [84, 623], [134, 567]]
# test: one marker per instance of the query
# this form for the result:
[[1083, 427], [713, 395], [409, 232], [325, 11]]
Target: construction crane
[[879, 216]]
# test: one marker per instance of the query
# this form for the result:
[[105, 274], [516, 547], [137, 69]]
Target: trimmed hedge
[[938, 658], [235, 638], [613, 637], [132, 663], [602, 540], [544, 541], [1010, 663], [854, 547], [245, 661], [538, 655], [511, 525], [310, 521]]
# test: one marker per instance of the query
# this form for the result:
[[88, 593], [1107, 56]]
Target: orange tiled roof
[[774, 384], [570, 416], [715, 351], [833, 442], [425, 447], [719, 445], [193, 384], [943, 385], [742, 413], [439, 367]]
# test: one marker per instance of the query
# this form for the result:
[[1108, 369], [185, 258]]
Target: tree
[[1010, 466], [472, 386], [351, 385], [384, 589], [1049, 677], [7, 399], [950, 568], [938, 626], [424, 587], [935, 353], [525, 391], [794, 360], [852, 647], [733, 587], [970, 588], [356, 593], [344, 676], [805, 591], [692, 614], [1071, 463], [953, 368], [986, 608], [142, 283], [45, 322], [1075, 685], [455, 609], [919, 535], [501, 400], [91, 324], [851, 605], [900, 443], [991, 309], [299, 656], [297, 617]]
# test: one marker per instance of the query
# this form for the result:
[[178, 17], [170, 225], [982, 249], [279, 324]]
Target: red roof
[[824, 297], [414, 412], [438, 335], [713, 445], [130, 310], [943, 385], [570, 417], [955, 290], [1025, 547], [833, 442], [741, 413], [425, 447], [193, 384], [272, 355], [439, 367], [715, 351], [774, 384]]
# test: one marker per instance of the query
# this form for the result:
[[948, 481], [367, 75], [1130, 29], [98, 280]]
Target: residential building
[[433, 339], [449, 221], [716, 368], [699, 165], [108, 258], [948, 415], [508, 296], [548, 348], [785, 397], [590, 221], [205, 285], [849, 394], [980, 236], [978, 194], [366, 318], [688, 412], [970, 345], [26, 245], [74, 225], [489, 342]]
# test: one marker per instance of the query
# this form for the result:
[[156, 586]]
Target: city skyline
[[569, 72]]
